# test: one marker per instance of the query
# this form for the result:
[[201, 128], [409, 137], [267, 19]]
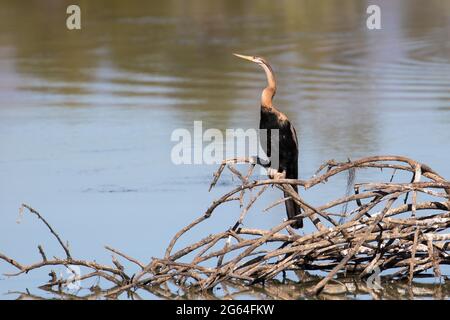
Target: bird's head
[[255, 59], [269, 92]]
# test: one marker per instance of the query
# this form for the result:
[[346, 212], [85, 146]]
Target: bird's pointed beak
[[250, 58]]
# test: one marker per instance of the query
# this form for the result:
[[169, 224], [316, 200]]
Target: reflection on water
[[340, 289], [86, 117]]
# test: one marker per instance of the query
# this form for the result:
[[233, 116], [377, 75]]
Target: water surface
[[86, 116]]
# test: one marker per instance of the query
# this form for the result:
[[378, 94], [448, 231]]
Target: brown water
[[86, 116]]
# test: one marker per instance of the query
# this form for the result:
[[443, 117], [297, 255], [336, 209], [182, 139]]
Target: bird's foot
[[271, 173], [274, 174]]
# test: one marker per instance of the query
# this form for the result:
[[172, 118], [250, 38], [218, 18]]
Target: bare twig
[[65, 248]]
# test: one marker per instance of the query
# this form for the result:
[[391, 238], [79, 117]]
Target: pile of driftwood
[[397, 229]]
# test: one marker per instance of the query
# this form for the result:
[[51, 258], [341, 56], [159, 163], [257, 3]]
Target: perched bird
[[285, 150]]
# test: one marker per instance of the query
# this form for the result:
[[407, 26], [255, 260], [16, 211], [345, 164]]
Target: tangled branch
[[398, 229]]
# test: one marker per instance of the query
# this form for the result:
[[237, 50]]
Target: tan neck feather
[[266, 97], [269, 92]]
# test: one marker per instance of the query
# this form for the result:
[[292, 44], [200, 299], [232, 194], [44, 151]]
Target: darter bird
[[287, 144]]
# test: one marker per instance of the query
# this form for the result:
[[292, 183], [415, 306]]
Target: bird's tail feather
[[292, 209]]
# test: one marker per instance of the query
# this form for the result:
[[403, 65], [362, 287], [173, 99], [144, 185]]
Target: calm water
[[86, 116]]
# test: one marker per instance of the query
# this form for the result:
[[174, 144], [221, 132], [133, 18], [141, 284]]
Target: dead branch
[[402, 240]]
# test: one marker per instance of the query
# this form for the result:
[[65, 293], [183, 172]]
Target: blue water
[[86, 118]]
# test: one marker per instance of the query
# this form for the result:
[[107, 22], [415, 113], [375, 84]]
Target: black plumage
[[287, 159]]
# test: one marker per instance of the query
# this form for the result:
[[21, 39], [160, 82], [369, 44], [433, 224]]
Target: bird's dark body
[[287, 146]]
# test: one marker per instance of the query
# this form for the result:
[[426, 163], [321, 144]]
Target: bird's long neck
[[269, 92]]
